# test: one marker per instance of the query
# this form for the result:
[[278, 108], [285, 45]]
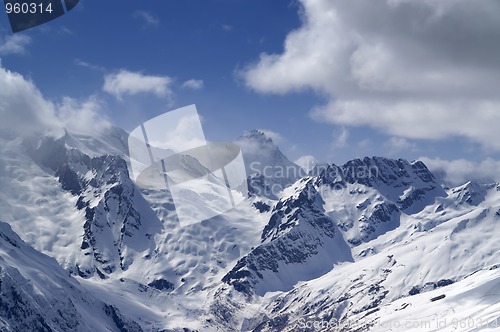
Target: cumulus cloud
[[460, 171], [425, 119], [148, 18], [417, 69], [14, 44], [83, 117], [193, 84], [25, 111], [126, 82]]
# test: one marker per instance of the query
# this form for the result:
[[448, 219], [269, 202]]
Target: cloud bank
[[459, 171], [25, 111], [416, 69]]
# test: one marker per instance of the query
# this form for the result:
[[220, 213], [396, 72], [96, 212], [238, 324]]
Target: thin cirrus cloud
[[14, 44], [193, 84], [429, 71], [147, 17], [396, 145], [126, 82], [85, 64], [340, 139]]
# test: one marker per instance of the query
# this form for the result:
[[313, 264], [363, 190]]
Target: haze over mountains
[[362, 246]]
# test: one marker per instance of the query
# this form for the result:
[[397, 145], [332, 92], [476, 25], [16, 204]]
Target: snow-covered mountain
[[373, 244], [300, 242], [268, 168], [36, 294]]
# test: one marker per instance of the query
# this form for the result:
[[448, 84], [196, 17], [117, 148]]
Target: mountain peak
[[472, 193], [256, 135], [390, 171], [411, 185], [265, 163]]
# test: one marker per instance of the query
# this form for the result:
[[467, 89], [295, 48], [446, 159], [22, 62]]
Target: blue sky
[[336, 80]]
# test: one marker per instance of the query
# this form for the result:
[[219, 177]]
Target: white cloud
[[307, 162], [179, 131], [340, 138], [397, 145], [65, 30], [14, 44], [193, 84], [148, 18], [131, 83], [411, 68], [425, 119], [85, 64], [24, 110], [82, 117], [22, 106], [460, 171], [365, 144], [276, 137]]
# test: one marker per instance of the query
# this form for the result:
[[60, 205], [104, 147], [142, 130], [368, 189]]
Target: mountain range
[[375, 244]]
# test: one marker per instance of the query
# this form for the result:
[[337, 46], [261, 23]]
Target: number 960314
[[28, 8]]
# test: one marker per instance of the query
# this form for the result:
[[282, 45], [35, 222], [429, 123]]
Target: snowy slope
[[447, 242], [472, 304], [370, 241], [83, 209], [36, 294], [300, 242]]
